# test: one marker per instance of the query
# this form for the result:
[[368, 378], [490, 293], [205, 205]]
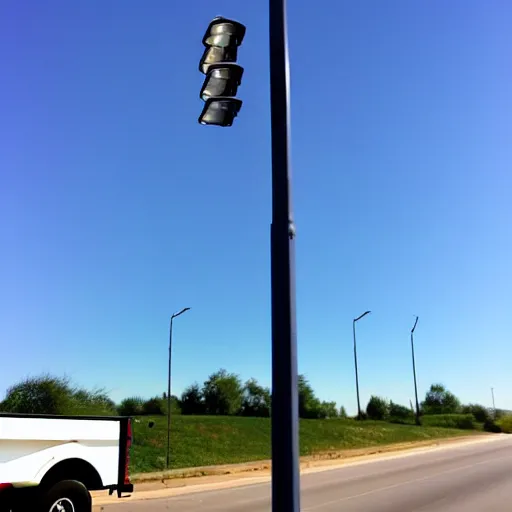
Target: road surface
[[467, 478]]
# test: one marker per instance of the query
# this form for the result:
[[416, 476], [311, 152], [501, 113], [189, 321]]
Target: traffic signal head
[[220, 111], [224, 33], [223, 76], [222, 80]]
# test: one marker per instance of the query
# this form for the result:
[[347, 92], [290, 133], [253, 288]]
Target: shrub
[[156, 406], [377, 408], [505, 424], [91, 403], [39, 395], [400, 414], [480, 412], [491, 426], [55, 395], [460, 421], [132, 406]]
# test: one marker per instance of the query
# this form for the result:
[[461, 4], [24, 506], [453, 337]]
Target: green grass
[[211, 440]]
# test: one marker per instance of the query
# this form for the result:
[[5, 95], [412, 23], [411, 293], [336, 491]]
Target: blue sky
[[118, 208]]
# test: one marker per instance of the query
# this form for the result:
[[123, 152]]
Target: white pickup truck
[[50, 463]]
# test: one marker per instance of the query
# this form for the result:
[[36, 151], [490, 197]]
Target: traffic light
[[223, 76]]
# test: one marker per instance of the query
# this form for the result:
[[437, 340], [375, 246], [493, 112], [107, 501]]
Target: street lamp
[[223, 76], [418, 422], [355, 361], [169, 387]]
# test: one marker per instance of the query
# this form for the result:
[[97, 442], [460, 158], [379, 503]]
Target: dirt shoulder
[[183, 481]]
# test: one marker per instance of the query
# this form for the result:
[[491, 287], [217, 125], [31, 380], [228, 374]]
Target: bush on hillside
[[491, 426], [377, 408], [400, 414], [157, 406], [505, 424], [55, 395], [480, 412], [460, 421], [131, 406], [91, 403]]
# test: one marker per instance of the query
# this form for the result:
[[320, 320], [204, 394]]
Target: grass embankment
[[211, 440]]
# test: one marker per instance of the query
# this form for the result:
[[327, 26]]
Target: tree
[[377, 408], [328, 410], [192, 400], [223, 393], [343, 412], [438, 400], [308, 403], [256, 399]]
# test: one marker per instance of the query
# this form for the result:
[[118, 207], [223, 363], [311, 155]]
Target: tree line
[[224, 393]]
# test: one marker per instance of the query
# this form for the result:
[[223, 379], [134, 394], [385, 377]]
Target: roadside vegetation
[[227, 421], [211, 440]]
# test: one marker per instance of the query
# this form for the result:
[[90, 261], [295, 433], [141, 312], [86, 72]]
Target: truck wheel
[[67, 496]]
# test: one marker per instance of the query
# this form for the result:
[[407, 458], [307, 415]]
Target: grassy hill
[[210, 440]]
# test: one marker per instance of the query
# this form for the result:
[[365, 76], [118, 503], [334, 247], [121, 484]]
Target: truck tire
[[66, 496]]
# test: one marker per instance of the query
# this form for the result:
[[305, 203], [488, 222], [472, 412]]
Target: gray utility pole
[[493, 404], [418, 422], [285, 400], [355, 361], [169, 388]]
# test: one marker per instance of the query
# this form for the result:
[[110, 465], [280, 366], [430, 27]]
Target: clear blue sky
[[118, 209]]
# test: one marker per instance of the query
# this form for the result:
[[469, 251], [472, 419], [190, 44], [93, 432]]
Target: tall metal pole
[[418, 422], [285, 403], [355, 361], [357, 374], [493, 404], [169, 398], [168, 456]]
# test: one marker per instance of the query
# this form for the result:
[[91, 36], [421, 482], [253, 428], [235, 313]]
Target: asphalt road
[[468, 478]]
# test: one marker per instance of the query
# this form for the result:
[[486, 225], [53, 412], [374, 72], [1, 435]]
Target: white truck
[[50, 463]]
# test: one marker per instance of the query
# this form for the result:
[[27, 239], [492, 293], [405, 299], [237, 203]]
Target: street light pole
[[285, 402], [355, 361], [169, 388], [414, 373]]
